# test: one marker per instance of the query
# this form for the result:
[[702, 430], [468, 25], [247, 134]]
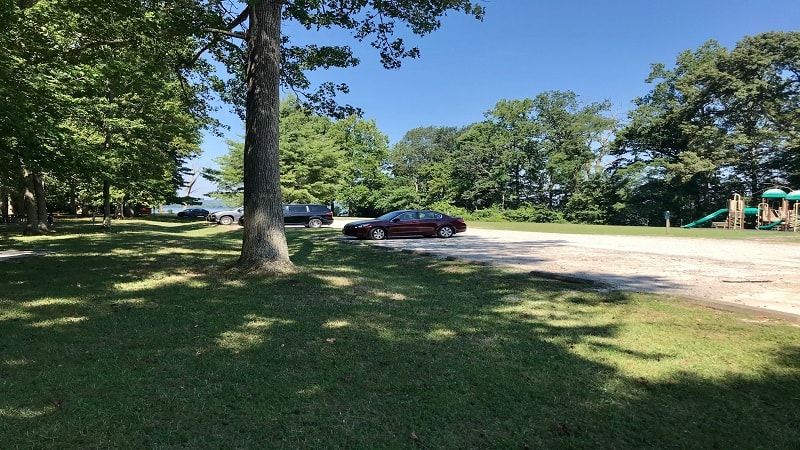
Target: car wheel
[[446, 231], [314, 223], [377, 234], [226, 220]]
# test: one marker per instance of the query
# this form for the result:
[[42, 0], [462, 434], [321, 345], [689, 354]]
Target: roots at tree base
[[247, 267]]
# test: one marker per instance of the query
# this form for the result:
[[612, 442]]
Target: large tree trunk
[[4, 210], [29, 200], [41, 201], [264, 245]]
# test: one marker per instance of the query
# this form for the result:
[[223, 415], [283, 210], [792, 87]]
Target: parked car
[[307, 214], [226, 217], [407, 223], [193, 212]]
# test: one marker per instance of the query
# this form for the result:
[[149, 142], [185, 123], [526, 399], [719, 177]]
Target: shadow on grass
[[521, 254], [134, 339]]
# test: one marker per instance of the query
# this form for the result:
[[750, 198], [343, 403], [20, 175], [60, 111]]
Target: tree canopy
[[719, 122]]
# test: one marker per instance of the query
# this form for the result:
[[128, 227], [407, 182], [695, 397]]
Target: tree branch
[[226, 33]]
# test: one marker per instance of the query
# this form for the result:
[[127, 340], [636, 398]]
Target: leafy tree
[[30, 104], [423, 158], [480, 173], [321, 160], [101, 96], [141, 116], [532, 151], [759, 84], [229, 176], [363, 184], [675, 130], [516, 136], [573, 138], [311, 160], [718, 123]]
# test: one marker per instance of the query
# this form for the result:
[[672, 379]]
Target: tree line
[[719, 122], [100, 104]]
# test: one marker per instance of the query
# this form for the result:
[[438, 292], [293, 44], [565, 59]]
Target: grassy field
[[137, 338]]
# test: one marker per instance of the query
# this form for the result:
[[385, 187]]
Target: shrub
[[534, 213], [493, 214], [449, 209]]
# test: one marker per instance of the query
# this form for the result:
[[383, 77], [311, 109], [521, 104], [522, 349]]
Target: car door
[[428, 222], [295, 214], [404, 224]]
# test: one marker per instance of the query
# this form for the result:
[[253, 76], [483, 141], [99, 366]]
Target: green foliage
[[102, 94], [322, 161], [719, 123], [311, 160], [585, 208], [541, 150], [365, 150], [373, 22], [424, 159], [449, 209], [117, 92], [493, 214], [229, 176], [534, 213]]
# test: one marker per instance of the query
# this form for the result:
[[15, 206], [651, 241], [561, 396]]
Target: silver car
[[226, 217]]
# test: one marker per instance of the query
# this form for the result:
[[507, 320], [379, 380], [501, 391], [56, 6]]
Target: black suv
[[309, 215]]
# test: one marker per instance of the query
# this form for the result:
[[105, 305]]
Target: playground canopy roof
[[773, 193], [794, 195]]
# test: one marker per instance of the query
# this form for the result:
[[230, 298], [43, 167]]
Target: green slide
[[706, 218], [769, 226]]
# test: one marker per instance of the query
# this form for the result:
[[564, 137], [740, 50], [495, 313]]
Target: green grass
[[136, 338]]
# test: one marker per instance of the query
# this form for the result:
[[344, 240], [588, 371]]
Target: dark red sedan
[[407, 223]]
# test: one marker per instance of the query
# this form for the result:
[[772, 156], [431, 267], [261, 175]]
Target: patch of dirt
[[730, 274]]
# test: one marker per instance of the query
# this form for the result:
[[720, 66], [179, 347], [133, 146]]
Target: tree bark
[[29, 200], [41, 201], [4, 203], [264, 247]]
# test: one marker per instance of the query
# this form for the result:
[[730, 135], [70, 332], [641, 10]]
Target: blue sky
[[600, 49]]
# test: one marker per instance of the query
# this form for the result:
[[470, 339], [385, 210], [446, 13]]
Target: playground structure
[[777, 210]]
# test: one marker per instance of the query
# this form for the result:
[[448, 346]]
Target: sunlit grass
[[140, 338]]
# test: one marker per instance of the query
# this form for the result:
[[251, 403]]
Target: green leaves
[[721, 122], [321, 161], [99, 91]]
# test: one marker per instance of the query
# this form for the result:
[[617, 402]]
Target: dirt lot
[[725, 273]]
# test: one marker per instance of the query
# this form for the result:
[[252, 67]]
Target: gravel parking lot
[[730, 274]]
